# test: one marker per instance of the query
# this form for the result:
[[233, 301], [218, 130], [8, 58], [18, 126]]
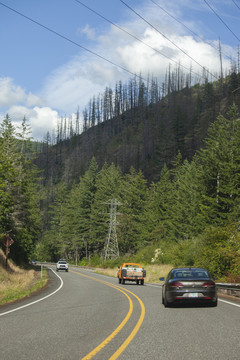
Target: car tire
[[137, 282], [214, 303], [123, 281], [165, 303], [119, 280], [142, 282]]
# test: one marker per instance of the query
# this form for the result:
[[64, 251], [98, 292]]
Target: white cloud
[[40, 119], [74, 83], [88, 31], [18, 104], [10, 93], [33, 100]]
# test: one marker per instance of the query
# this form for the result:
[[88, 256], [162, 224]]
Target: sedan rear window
[[190, 274]]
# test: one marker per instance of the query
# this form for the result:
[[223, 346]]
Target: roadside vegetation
[[154, 272], [17, 283]]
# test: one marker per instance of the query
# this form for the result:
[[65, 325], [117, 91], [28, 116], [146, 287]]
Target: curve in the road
[[36, 301], [116, 331]]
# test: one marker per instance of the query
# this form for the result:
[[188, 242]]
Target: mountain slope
[[145, 137]]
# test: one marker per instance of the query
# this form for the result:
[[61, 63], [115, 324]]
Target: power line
[[195, 34], [184, 52], [210, 7], [236, 4], [133, 36], [71, 41]]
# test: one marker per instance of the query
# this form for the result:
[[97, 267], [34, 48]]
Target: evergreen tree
[[19, 211], [187, 193], [220, 159], [157, 216], [77, 217], [133, 198], [55, 241]]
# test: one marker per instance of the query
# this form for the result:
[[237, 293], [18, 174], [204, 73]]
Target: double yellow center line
[[123, 323]]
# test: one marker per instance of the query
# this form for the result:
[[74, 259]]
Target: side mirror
[[161, 278]]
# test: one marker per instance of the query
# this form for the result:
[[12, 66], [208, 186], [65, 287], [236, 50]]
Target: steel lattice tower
[[111, 250]]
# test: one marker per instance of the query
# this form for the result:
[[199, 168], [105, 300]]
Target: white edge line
[[34, 302], [225, 301], [229, 302]]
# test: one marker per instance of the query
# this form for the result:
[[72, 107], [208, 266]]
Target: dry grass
[[154, 272], [17, 283]]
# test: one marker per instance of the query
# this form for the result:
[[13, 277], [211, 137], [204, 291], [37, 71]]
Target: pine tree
[[19, 211], [133, 198], [157, 215], [77, 218], [220, 159]]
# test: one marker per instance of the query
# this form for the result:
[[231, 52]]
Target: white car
[[62, 265]]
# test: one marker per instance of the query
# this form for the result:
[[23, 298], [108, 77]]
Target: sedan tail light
[[176, 284], [208, 284]]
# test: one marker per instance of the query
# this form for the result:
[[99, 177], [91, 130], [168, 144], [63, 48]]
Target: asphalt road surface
[[82, 315]]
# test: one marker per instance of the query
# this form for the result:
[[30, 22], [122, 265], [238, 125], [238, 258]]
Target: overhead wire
[[186, 27], [71, 41], [236, 4], [219, 17], [178, 47], [133, 36]]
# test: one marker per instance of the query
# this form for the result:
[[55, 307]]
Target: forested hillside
[[169, 168], [138, 125]]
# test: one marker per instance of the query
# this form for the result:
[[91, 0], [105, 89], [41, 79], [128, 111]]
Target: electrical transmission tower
[[111, 250]]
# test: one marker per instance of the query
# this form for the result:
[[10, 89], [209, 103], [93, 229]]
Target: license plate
[[193, 295]]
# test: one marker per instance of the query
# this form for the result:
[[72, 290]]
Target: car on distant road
[[62, 265], [189, 285]]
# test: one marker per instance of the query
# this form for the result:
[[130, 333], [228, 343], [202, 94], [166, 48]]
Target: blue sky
[[44, 77]]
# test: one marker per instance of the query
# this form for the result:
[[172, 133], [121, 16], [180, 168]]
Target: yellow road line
[[133, 333], [116, 331]]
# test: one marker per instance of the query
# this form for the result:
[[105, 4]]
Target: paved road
[[90, 316]]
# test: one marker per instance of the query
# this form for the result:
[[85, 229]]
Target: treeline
[[146, 136], [137, 92], [191, 215], [19, 190]]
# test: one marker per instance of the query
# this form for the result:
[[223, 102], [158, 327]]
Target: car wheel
[[137, 282], [119, 280], [142, 282], [214, 303], [165, 302], [123, 281]]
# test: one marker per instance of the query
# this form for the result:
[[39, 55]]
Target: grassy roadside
[[17, 283], [154, 272]]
